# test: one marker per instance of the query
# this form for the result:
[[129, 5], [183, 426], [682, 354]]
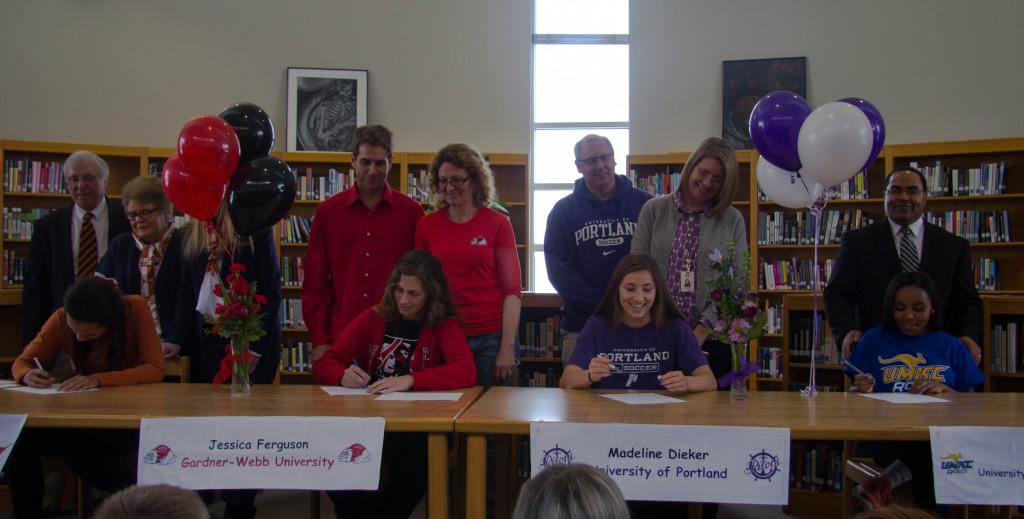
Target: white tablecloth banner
[[314, 453], [10, 428], [978, 465], [674, 462]]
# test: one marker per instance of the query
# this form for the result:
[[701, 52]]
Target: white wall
[[132, 72], [936, 69]]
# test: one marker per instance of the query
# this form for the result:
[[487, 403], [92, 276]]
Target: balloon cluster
[[803, 151], [227, 155]]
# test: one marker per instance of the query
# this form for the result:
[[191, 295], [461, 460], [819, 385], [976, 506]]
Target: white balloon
[[834, 143], [782, 187]]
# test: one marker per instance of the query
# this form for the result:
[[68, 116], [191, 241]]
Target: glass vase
[[240, 383], [738, 387]]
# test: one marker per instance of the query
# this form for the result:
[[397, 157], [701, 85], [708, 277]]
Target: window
[[580, 86]]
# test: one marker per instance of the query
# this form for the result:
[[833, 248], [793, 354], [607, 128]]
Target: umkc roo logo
[[956, 463], [904, 369]]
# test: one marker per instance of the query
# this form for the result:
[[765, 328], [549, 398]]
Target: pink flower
[[736, 337], [719, 325], [716, 295], [740, 324], [750, 309]]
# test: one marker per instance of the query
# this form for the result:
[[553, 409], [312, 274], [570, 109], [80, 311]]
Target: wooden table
[[124, 407], [830, 416]]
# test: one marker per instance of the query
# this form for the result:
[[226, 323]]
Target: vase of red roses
[[237, 318], [738, 318]]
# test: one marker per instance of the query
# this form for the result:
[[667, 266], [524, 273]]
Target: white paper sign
[[10, 428], [978, 465], [674, 462], [286, 452]]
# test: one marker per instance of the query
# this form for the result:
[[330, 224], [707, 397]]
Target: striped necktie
[[908, 250], [87, 251]]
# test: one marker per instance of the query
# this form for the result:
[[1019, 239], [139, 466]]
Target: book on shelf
[[292, 271], [986, 273], [291, 314], [14, 268], [296, 356], [656, 184], [854, 188], [295, 229], [798, 228], [1006, 348], [541, 338], [793, 274], [817, 467], [19, 222], [802, 340], [34, 176], [769, 362], [988, 178], [547, 377], [773, 317], [321, 186], [419, 186], [974, 226]]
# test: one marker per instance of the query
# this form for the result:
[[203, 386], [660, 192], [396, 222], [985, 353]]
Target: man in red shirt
[[357, 237]]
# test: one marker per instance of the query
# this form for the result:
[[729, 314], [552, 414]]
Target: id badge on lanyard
[[687, 278]]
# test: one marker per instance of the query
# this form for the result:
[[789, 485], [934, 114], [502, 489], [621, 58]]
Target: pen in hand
[[38, 364], [851, 366]]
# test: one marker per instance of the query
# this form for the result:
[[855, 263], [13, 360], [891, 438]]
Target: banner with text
[[674, 462], [978, 465], [287, 452], [10, 428]]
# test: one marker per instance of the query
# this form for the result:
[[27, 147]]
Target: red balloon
[[209, 147], [192, 194]]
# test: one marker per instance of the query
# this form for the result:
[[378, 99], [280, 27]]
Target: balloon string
[[816, 209]]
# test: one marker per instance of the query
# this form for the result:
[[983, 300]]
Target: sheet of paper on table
[[904, 398], [643, 398], [425, 395], [345, 391]]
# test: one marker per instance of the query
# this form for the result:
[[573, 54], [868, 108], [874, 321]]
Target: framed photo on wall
[[324, 108], [746, 81]]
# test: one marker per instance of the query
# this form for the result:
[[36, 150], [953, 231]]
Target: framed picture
[[324, 108], [746, 81]]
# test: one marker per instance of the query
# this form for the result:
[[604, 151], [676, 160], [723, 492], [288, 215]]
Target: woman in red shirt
[[477, 249]]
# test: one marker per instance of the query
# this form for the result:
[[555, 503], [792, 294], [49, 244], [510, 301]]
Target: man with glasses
[[68, 243], [588, 232], [357, 237], [870, 256]]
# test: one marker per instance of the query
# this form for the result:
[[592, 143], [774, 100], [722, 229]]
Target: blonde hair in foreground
[[153, 502], [571, 491]]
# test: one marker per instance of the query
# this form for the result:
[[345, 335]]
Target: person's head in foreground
[[153, 502], [571, 491]]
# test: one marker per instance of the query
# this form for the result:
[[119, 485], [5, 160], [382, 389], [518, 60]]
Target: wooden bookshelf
[[1006, 374]]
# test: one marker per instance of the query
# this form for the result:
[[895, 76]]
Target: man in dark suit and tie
[[869, 257], [67, 243]]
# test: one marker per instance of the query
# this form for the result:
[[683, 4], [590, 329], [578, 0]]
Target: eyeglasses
[[145, 213], [899, 190], [455, 181], [607, 157]]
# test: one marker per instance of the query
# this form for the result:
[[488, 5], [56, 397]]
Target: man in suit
[[67, 243], [869, 257]]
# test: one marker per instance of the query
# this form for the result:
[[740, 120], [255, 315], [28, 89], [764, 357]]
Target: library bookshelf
[[33, 200]]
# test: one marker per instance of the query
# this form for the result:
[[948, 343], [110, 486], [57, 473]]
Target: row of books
[[854, 188], [802, 341], [987, 179], [1006, 348], [816, 466], [321, 186], [793, 274], [974, 226], [656, 184], [18, 222], [541, 378], [291, 314], [769, 362], [773, 318], [296, 357], [292, 271], [419, 187], [295, 229], [788, 228], [14, 268], [986, 274], [541, 338], [34, 176]]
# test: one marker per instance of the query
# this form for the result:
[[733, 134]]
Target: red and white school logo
[[355, 453], [160, 455]]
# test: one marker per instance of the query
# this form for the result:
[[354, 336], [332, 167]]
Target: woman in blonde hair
[[209, 250], [477, 249], [571, 491]]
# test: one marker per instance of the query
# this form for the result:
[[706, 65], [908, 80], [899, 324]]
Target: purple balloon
[[775, 126], [877, 126]]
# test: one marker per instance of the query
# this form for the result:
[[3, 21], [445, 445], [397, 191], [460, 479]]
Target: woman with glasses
[[681, 229], [477, 250], [147, 260]]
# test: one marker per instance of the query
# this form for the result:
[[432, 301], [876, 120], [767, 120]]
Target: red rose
[[216, 290], [236, 310], [219, 309], [241, 286], [231, 278], [237, 267], [260, 299]]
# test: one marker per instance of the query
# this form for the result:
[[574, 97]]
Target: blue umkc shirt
[[584, 240], [897, 361]]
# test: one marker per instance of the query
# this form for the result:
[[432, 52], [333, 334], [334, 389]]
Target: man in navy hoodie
[[588, 232]]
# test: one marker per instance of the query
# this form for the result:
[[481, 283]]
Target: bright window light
[[541, 283], [543, 201], [581, 83], [582, 17], [553, 159]]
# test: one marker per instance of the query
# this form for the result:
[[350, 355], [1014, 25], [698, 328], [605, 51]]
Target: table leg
[[437, 475], [476, 476]]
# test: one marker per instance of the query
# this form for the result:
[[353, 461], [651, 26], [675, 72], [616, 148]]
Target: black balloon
[[254, 128], [260, 193]]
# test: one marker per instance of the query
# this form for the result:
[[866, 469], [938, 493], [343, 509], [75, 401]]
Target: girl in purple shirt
[[636, 338]]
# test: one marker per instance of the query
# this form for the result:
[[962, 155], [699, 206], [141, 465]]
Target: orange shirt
[[140, 339]]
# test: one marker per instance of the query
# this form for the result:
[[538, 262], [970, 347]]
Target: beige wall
[[131, 72], [936, 69]]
